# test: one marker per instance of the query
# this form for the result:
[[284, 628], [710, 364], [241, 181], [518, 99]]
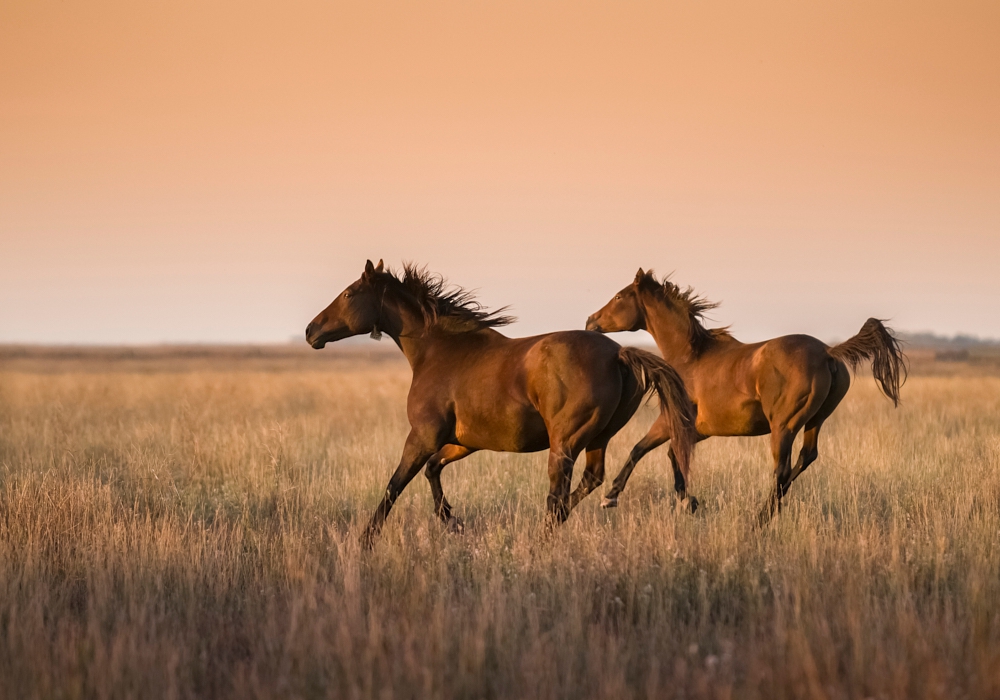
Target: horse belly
[[746, 419], [507, 431]]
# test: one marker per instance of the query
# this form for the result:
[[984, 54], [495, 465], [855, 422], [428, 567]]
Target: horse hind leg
[[781, 450], [785, 473], [805, 409], [593, 475], [563, 451], [809, 451], [841, 382], [560, 474], [579, 424]]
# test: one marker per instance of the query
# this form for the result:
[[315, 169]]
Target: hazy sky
[[205, 171]]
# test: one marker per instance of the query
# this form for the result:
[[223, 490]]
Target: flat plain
[[186, 523]]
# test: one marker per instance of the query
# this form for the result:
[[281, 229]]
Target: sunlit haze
[[218, 172]]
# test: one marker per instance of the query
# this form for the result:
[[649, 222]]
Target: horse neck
[[402, 321], [670, 328]]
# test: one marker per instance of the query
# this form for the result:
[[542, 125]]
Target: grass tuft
[[195, 532]]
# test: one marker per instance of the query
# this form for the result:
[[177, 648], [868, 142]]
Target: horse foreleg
[[680, 483], [560, 475], [435, 465], [416, 451], [658, 434], [593, 476]]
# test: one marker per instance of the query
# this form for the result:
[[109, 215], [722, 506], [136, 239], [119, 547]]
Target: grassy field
[[179, 525]]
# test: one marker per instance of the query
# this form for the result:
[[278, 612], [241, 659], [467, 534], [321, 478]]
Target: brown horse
[[475, 389], [779, 386]]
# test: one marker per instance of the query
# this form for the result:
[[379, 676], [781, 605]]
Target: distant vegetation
[[933, 341]]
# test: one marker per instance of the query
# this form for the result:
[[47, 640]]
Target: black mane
[[447, 306], [689, 302]]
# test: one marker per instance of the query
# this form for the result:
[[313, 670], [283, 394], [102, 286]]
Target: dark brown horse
[[475, 389], [779, 386]]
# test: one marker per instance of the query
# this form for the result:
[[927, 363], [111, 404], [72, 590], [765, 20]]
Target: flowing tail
[[654, 374], [877, 343]]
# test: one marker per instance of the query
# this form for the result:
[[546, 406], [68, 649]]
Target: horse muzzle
[[312, 337], [317, 336]]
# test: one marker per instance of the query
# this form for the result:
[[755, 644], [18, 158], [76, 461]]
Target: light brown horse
[[475, 389], [779, 386]]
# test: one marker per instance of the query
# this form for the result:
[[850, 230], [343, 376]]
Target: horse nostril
[[309, 330]]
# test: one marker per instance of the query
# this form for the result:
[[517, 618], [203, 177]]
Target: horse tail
[[877, 343], [654, 374]]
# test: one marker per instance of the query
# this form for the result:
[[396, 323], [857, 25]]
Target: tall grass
[[196, 533]]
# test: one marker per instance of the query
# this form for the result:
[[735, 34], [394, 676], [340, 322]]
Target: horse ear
[[378, 268], [639, 275], [369, 270]]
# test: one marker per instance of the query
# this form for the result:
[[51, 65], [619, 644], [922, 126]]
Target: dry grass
[[192, 530]]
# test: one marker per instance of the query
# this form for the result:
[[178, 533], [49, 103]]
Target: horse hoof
[[690, 504], [609, 502], [455, 525]]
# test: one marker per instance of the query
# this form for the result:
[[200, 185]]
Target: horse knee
[[434, 468]]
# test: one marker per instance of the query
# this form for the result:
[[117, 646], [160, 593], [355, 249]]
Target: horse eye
[[347, 294], [618, 297]]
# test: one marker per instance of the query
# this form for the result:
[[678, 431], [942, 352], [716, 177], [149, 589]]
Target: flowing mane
[[446, 306], [690, 303]]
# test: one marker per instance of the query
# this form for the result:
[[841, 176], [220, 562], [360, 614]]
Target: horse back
[[492, 392]]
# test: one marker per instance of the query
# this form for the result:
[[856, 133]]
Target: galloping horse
[[779, 386], [475, 389]]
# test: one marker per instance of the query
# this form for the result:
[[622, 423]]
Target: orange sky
[[198, 171]]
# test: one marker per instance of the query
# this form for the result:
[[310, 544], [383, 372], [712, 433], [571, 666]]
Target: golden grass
[[195, 532]]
